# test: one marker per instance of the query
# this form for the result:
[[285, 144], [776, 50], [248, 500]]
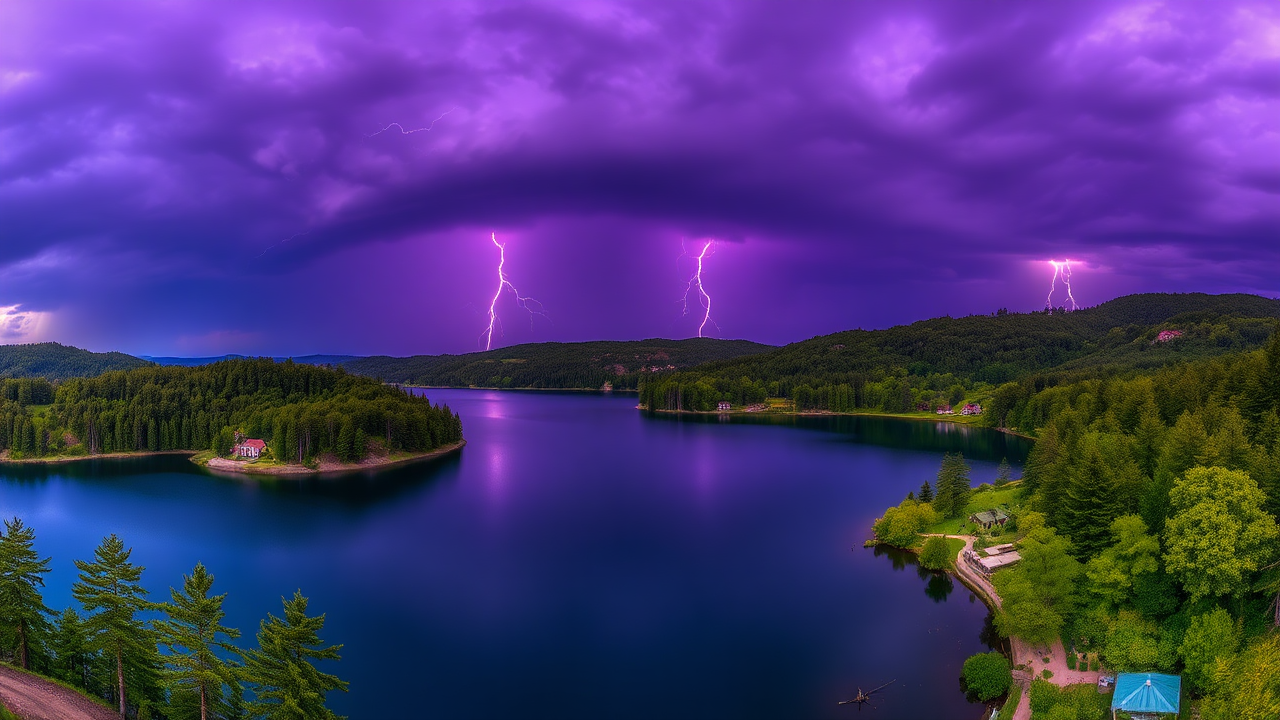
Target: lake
[[578, 559]]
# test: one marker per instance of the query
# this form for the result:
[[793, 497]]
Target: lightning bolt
[[400, 127], [291, 237], [505, 284], [1061, 269], [695, 283]]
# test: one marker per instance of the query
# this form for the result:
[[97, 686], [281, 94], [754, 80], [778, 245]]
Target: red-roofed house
[[249, 448], [1167, 335]]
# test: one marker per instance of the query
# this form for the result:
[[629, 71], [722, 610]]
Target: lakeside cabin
[[724, 406], [971, 409], [1147, 696], [249, 448], [989, 518]]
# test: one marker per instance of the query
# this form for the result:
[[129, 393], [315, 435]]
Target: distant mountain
[[1003, 345], [301, 359], [908, 363], [555, 365], [58, 362]]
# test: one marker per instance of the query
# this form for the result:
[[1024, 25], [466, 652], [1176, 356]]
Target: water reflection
[[976, 443]]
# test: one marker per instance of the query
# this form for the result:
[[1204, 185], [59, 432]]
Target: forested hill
[[58, 362], [301, 411], [904, 367], [555, 365]]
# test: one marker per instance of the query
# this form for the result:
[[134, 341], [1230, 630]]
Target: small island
[[253, 416]]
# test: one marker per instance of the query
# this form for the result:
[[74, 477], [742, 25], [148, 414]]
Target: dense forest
[[166, 660], [302, 411], [52, 361], [555, 365], [1147, 525], [946, 360]]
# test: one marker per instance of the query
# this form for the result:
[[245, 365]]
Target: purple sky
[[200, 178]]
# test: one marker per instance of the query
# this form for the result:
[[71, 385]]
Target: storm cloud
[[200, 177]]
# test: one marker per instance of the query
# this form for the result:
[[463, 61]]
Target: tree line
[[173, 659], [944, 361], [301, 410]]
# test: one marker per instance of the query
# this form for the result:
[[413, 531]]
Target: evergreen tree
[[284, 680], [1088, 505], [926, 492], [111, 592], [1004, 473], [74, 661], [193, 634], [953, 486], [22, 572]]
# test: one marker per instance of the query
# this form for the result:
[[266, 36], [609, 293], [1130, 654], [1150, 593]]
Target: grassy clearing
[[1006, 497]]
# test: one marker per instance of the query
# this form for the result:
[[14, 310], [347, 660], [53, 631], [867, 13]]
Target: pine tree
[[21, 576], [952, 495], [1004, 473], [926, 492], [1089, 506], [111, 592], [192, 635], [286, 685], [74, 662]]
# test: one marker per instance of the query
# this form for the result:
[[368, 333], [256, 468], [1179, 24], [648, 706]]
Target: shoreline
[[222, 465], [953, 419], [518, 389], [63, 459]]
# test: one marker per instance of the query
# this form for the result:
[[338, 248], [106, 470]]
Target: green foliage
[[300, 410], [987, 675], [285, 681], [22, 609], [900, 526], [1247, 686], [111, 592], [953, 486], [1219, 533], [936, 554], [1133, 553], [1074, 702], [1010, 704], [197, 644], [1212, 636], [1133, 643], [1039, 593], [586, 365]]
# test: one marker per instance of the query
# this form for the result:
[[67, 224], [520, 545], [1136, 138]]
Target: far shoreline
[[953, 419]]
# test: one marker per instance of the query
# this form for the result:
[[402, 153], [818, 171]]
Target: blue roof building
[[1147, 695]]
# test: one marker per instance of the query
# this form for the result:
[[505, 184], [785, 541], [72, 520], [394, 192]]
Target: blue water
[[577, 560]]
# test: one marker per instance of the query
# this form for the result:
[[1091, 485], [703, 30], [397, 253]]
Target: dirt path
[[34, 698], [1023, 654]]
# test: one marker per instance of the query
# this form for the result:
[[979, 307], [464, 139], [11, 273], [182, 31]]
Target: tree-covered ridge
[[302, 411], [555, 365], [52, 361], [945, 360]]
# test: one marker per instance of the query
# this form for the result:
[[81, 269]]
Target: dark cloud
[[196, 166]]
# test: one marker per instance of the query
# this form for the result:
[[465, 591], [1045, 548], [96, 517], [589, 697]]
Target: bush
[[902, 524], [987, 675], [1047, 673], [936, 554], [1071, 661]]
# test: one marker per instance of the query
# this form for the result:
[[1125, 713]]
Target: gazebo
[[1147, 696]]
